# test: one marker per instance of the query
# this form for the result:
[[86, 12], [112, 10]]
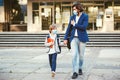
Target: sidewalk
[[32, 64]]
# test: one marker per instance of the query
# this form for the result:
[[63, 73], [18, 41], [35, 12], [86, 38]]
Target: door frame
[[40, 7]]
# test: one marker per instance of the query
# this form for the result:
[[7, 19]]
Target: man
[[78, 38]]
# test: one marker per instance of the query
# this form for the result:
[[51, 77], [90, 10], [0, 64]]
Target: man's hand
[[73, 22]]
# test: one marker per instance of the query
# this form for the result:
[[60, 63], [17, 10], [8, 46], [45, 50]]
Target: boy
[[53, 42]]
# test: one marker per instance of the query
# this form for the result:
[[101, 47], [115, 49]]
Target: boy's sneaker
[[53, 74]]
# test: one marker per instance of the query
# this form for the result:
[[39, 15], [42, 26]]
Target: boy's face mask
[[54, 31]]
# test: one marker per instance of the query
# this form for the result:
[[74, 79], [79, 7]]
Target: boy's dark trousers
[[52, 61]]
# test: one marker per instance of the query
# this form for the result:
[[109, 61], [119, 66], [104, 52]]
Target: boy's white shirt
[[55, 47]]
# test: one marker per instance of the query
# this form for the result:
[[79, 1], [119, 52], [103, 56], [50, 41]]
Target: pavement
[[31, 63]]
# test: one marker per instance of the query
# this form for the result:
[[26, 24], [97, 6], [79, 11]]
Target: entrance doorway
[[46, 16]]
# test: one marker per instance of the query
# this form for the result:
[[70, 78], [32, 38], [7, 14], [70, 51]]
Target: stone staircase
[[24, 39], [104, 40]]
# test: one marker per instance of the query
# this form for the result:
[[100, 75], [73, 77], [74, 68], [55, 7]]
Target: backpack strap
[[58, 43], [48, 36], [58, 38]]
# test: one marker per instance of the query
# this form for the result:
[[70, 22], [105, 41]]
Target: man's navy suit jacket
[[81, 27]]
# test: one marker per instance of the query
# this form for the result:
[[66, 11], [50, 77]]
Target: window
[[35, 13], [18, 12], [116, 15]]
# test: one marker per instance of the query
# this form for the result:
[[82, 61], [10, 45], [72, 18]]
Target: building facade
[[37, 15]]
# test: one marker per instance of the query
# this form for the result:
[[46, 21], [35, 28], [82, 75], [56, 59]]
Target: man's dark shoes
[[75, 75], [80, 72]]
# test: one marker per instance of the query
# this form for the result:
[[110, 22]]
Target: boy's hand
[[65, 42], [51, 43]]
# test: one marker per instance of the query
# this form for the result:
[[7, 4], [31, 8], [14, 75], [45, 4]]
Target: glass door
[[46, 16]]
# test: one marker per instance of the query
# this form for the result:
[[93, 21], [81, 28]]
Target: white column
[[29, 16], [2, 17], [2, 14]]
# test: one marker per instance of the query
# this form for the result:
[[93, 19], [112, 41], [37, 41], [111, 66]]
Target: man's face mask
[[75, 12]]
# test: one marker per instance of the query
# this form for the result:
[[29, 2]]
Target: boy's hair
[[51, 27], [78, 6]]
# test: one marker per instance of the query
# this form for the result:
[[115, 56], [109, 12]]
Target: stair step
[[37, 39]]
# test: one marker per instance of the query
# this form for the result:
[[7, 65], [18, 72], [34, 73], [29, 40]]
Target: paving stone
[[33, 64], [12, 76], [104, 74]]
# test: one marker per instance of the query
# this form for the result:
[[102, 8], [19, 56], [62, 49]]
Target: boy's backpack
[[57, 42]]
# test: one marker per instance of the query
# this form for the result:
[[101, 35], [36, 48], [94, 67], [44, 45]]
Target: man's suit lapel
[[74, 18], [80, 19]]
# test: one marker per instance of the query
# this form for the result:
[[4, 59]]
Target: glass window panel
[[18, 12], [46, 18], [35, 12], [1, 2], [66, 8], [35, 17], [46, 3], [116, 15], [35, 6], [96, 10]]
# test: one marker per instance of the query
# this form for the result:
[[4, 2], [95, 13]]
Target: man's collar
[[80, 13]]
